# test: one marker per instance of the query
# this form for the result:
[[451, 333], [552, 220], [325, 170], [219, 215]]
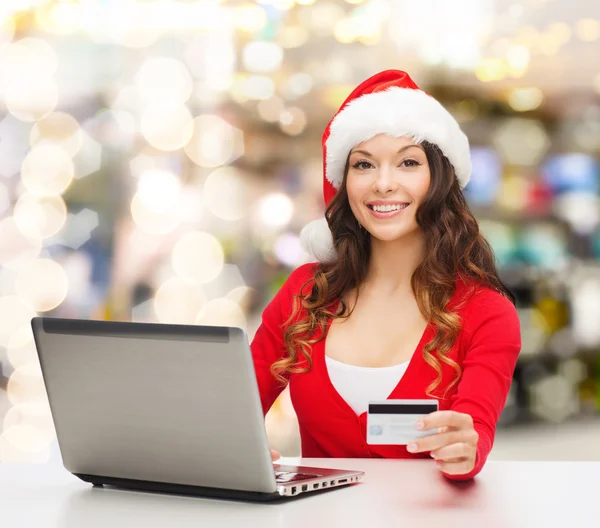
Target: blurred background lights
[[214, 142], [15, 247], [167, 126], [521, 141], [262, 57], [40, 216], [21, 347], [225, 194], [275, 210], [581, 210], [586, 312], [163, 79], [178, 302], [270, 109], [34, 414], [43, 284], [60, 129], [155, 221], [288, 250], [47, 170], [553, 398], [221, 312], [250, 17], [14, 313], [293, 121], [5, 201], [27, 385], [159, 190], [198, 257], [525, 99]]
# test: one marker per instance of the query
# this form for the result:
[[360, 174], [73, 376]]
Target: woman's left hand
[[454, 446]]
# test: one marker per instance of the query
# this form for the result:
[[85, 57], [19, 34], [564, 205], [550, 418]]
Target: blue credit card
[[393, 422]]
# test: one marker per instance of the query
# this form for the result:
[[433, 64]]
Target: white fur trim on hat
[[317, 241], [396, 112]]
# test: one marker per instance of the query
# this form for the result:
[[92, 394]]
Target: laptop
[[161, 407]]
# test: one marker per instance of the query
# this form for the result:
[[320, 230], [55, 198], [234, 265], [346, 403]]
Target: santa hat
[[387, 103]]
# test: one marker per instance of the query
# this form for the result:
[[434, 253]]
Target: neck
[[392, 264]]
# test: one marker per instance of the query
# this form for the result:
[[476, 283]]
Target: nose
[[385, 181]]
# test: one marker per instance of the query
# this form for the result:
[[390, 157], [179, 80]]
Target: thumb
[[275, 455]]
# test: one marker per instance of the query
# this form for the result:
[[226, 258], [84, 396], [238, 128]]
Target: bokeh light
[[47, 170], [34, 414], [167, 126], [225, 194], [262, 57], [43, 284], [159, 190], [27, 385], [214, 142], [40, 216], [21, 348], [178, 302], [198, 257], [14, 313], [163, 79], [221, 312], [15, 247], [60, 129], [155, 221], [275, 210]]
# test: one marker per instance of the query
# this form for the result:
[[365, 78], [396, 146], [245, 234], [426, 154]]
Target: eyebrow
[[406, 147]]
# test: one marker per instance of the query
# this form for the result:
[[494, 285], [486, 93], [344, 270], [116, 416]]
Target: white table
[[406, 493]]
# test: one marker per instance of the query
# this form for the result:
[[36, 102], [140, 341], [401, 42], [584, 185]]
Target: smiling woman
[[403, 278]]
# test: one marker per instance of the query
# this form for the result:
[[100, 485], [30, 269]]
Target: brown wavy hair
[[455, 249]]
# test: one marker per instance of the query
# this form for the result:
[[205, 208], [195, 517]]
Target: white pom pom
[[317, 241]]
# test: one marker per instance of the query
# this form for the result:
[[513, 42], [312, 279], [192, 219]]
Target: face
[[387, 180]]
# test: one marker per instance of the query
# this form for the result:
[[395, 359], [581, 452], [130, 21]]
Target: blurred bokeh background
[[159, 158]]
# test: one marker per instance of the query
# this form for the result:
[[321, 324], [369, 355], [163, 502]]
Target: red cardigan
[[486, 348]]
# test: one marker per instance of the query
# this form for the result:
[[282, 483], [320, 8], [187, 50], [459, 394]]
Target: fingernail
[[420, 425], [411, 447]]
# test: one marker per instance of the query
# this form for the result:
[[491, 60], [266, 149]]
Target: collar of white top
[[399, 366]]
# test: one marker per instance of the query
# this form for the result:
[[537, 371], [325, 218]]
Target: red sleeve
[[267, 345], [493, 343]]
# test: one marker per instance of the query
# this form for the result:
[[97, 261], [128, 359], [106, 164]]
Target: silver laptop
[[159, 407]]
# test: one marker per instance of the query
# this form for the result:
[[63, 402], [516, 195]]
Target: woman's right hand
[[275, 455]]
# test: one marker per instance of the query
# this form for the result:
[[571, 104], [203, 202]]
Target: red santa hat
[[388, 103]]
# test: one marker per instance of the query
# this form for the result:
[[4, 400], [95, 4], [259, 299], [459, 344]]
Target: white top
[[360, 385]]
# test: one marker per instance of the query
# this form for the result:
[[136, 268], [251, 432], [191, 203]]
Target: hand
[[275, 455], [454, 446]]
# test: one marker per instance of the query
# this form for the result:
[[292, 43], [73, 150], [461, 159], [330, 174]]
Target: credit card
[[393, 422]]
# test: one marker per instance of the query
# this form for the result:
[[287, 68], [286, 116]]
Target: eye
[[411, 163], [361, 165]]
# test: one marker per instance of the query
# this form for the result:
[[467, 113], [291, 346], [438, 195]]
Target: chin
[[389, 235]]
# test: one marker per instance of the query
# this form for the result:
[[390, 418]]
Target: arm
[[493, 343], [267, 345]]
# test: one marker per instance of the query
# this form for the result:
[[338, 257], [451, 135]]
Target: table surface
[[409, 493]]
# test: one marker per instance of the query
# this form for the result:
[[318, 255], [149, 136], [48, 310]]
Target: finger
[[435, 441], [275, 455], [457, 468], [446, 418], [453, 452]]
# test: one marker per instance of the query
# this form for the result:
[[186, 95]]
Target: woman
[[404, 301]]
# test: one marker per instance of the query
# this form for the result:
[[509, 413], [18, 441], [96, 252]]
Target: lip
[[386, 202]]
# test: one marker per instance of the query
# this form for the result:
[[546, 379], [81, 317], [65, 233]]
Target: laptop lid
[[154, 402]]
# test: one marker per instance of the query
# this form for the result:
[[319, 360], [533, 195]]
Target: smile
[[386, 211]]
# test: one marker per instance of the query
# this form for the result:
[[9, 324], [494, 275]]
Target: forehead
[[383, 142]]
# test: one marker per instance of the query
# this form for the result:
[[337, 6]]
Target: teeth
[[388, 208]]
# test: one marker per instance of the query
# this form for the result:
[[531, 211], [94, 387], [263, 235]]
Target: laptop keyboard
[[282, 477]]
